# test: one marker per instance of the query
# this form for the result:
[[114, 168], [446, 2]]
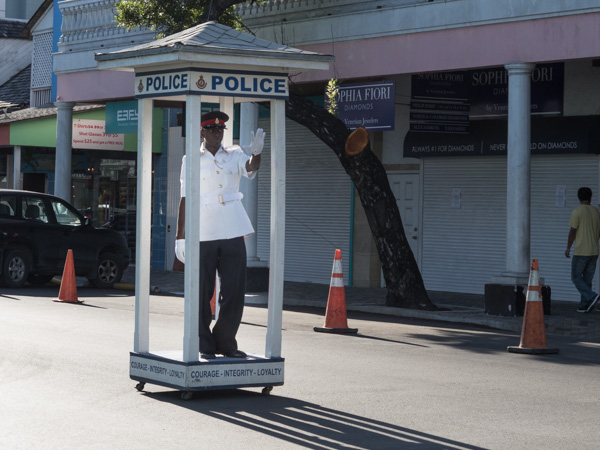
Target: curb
[[456, 316]]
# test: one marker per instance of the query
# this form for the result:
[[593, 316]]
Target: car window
[[8, 205], [64, 216], [33, 209]]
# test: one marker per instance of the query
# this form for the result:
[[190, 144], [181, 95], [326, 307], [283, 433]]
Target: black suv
[[37, 230]]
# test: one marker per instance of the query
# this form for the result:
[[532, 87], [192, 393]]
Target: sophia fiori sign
[[89, 134], [368, 105], [208, 82]]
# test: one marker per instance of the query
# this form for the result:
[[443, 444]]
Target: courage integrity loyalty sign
[[206, 82]]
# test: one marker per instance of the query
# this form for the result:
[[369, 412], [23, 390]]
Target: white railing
[[91, 21], [252, 9]]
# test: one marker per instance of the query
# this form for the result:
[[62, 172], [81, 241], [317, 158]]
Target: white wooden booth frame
[[185, 370], [216, 64]]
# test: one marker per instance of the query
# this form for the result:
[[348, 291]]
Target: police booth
[[208, 63]]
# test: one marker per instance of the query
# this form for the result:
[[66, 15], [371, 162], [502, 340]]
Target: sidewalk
[[461, 308]]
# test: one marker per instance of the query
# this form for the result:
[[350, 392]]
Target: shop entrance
[[3, 171], [105, 192], [407, 191]]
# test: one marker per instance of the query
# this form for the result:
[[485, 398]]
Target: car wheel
[[109, 271], [39, 280], [17, 265]]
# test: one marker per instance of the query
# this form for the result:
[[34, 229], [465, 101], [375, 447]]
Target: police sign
[[210, 82]]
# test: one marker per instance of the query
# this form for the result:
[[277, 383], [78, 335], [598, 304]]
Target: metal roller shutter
[[464, 247], [318, 207], [550, 223]]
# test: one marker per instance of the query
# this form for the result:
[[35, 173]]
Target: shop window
[[106, 193]]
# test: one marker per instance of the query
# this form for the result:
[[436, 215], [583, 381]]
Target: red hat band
[[216, 122]]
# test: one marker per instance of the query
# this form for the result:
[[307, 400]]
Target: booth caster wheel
[[140, 386], [186, 395], [267, 390]]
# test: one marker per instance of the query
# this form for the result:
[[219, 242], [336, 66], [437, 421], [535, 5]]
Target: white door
[[407, 191]]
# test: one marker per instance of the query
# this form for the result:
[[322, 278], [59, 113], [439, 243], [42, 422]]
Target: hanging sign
[[122, 117], [210, 82], [368, 105], [489, 91], [90, 134]]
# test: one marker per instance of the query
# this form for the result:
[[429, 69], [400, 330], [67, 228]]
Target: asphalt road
[[398, 384]]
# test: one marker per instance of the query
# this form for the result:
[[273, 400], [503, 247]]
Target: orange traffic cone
[[533, 333], [68, 284], [335, 315]]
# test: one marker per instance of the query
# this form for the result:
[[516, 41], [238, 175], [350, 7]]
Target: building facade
[[484, 184], [493, 130]]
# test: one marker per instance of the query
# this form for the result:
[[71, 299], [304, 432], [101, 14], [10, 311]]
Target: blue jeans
[[582, 273]]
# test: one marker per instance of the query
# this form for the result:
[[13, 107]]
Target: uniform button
[[218, 172], [220, 185]]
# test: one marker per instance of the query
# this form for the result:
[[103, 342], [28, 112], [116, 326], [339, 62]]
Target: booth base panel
[[167, 368]]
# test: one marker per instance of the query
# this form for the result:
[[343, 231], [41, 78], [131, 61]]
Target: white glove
[[257, 142], [180, 249]]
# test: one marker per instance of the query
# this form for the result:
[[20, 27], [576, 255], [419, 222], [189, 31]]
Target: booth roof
[[214, 38]]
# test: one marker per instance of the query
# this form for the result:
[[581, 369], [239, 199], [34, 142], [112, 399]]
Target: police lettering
[[167, 82], [248, 84]]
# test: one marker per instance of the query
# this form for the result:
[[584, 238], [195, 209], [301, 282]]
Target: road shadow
[[305, 424], [571, 350], [50, 292]]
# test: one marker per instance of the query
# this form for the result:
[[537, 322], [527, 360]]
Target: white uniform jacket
[[222, 215]]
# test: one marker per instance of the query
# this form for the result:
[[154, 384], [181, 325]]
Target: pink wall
[[95, 86], [542, 40]]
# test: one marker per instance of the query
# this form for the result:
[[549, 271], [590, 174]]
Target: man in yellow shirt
[[585, 233]]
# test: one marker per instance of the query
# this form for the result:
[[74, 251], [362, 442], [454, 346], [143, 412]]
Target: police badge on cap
[[214, 119]]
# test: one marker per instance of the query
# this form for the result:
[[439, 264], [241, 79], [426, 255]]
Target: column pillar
[[64, 137], [257, 279], [16, 174], [248, 124], [507, 292], [518, 177]]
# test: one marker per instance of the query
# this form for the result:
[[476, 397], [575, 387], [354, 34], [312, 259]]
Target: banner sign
[[440, 102], [489, 91], [200, 376], [368, 105], [548, 136], [89, 134], [211, 82], [482, 93]]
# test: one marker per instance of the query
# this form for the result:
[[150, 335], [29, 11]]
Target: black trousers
[[227, 257]]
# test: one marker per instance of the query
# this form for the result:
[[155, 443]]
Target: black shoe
[[235, 354], [207, 355], [593, 302]]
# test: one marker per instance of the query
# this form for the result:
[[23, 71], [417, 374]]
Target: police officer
[[223, 225]]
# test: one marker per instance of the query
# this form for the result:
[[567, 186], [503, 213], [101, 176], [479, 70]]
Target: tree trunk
[[405, 287]]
